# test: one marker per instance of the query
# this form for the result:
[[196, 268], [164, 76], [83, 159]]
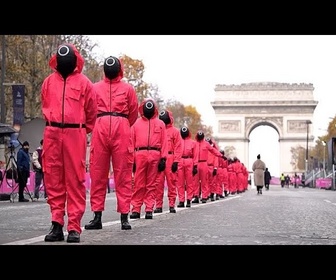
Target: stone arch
[[288, 108], [259, 122]]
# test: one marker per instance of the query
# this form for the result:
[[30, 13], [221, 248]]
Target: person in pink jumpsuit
[[111, 142], [231, 177], [149, 137], [246, 175], [212, 170], [174, 140], [221, 178], [69, 107], [187, 168], [236, 168], [202, 186]]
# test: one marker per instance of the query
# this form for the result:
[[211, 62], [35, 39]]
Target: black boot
[[158, 210], [135, 215], [212, 198], [172, 210], [124, 222], [73, 237], [188, 203], [149, 215], [195, 200], [180, 205], [96, 223], [55, 234]]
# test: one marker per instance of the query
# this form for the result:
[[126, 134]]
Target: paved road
[[279, 216]]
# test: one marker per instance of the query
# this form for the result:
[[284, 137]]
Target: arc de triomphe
[[287, 108]]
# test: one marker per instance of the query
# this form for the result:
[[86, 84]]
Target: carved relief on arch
[[229, 126], [296, 126]]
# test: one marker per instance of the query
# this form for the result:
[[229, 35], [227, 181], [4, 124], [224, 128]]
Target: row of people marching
[[141, 143], [195, 169]]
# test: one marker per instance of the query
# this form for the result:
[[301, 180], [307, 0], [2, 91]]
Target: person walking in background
[[23, 166], [149, 135], [37, 167], [268, 178], [303, 180], [111, 142], [282, 180], [296, 179], [259, 168], [69, 106], [287, 181]]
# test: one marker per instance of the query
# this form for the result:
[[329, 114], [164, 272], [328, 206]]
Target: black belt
[[170, 153], [147, 148], [66, 125], [186, 156], [202, 160], [116, 114]]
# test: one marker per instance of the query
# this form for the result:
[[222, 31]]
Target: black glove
[[174, 167], [162, 164], [214, 172], [194, 171], [134, 167]]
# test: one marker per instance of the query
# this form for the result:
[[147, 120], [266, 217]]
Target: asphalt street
[[280, 216]]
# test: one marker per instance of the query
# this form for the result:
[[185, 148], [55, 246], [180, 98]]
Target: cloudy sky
[[188, 67]]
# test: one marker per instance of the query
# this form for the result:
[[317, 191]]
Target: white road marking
[[41, 237]]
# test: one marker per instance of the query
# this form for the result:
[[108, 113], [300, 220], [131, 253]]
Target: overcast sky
[[188, 67]]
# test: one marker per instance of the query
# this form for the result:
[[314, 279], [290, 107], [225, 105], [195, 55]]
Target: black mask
[[208, 139], [149, 109], [184, 132], [164, 116], [200, 135], [66, 60], [111, 67]]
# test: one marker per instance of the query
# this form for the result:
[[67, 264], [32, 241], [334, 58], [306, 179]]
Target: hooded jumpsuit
[[70, 110], [111, 141]]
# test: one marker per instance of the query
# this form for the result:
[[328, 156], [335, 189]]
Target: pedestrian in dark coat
[[268, 178]]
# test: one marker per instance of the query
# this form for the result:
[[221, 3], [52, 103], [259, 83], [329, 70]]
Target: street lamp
[[308, 122], [324, 157], [3, 66]]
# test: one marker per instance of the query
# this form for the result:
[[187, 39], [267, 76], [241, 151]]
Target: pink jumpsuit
[[222, 177], [240, 177], [70, 110], [150, 145], [212, 164], [111, 141], [246, 175], [185, 184], [202, 167], [231, 177], [174, 141]]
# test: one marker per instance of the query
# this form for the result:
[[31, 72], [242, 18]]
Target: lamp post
[[324, 157], [3, 66], [308, 122]]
